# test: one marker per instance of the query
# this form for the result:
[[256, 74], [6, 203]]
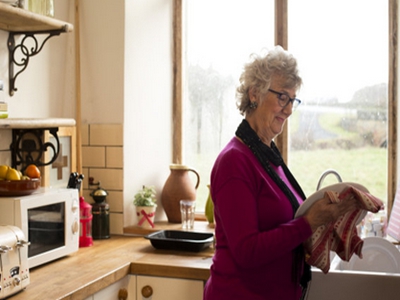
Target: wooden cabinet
[[128, 283], [163, 288], [141, 287]]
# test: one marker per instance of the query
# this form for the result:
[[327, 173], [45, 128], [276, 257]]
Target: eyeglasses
[[284, 99]]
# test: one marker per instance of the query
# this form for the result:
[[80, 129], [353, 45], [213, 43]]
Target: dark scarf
[[267, 155]]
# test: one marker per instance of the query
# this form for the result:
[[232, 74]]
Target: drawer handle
[[147, 291], [122, 294]]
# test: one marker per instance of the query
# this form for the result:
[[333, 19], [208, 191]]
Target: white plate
[[379, 255], [338, 187]]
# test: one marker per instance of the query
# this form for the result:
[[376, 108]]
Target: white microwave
[[49, 219]]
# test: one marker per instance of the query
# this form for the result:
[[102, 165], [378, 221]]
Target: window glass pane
[[220, 36], [342, 50]]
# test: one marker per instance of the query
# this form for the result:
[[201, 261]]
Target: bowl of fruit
[[14, 183]]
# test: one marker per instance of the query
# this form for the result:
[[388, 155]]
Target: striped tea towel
[[340, 236]]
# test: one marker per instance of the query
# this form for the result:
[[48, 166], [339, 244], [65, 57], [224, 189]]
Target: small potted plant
[[145, 202]]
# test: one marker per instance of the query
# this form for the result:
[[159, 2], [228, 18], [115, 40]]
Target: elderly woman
[[259, 253]]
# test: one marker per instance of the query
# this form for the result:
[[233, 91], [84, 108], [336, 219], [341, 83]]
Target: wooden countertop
[[94, 268]]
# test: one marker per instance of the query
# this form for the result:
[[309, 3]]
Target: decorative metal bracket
[[27, 147], [19, 55]]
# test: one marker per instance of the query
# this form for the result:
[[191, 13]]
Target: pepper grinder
[[100, 211]]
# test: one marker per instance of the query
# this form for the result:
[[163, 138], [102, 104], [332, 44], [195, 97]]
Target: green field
[[366, 166]]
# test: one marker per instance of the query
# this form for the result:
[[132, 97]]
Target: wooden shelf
[[35, 123], [14, 19], [19, 21]]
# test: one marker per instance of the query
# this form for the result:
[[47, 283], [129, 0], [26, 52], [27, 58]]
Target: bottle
[[35, 6], [43, 7], [86, 217], [48, 8], [209, 209]]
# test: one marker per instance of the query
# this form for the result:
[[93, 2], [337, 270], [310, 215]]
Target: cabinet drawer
[[111, 292], [169, 288]]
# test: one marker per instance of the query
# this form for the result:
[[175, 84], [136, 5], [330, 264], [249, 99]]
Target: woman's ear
[[252, 94]]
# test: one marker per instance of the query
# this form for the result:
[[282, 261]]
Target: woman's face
[[269, 117]]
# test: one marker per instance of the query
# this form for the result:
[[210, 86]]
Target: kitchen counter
[[94, 268]]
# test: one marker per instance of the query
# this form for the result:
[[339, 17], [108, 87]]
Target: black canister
[[101, 215], [101, 221]]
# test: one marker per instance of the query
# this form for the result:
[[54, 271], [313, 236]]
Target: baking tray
[[180, 240]]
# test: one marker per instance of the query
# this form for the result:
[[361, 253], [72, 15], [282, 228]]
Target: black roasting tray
[[180, 240]]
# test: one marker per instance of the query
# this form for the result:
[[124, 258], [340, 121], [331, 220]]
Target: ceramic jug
[[178, 187]]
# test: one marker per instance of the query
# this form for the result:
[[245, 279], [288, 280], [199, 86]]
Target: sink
[[376, 276], [379, 255], [353, 285]]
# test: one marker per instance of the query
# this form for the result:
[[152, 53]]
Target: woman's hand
[[323, 211]]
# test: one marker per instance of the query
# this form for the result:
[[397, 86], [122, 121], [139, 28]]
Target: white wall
[[148, 98], [102, 60], [126, 78]]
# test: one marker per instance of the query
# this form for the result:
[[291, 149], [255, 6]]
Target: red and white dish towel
[[340, 236]]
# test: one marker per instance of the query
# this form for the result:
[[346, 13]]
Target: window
[[218, 42], [343, 122], [343, 59]]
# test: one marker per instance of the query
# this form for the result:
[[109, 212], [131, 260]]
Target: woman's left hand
[[324, 211]]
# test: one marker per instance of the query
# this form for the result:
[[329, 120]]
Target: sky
[[341, 45]]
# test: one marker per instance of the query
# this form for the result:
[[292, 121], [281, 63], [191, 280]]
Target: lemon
[[13, 174], [3, 171]]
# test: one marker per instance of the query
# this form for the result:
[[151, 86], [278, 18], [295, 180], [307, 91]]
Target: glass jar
[[43, 7]]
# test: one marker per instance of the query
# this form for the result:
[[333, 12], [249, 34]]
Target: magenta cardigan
[[255, 231]]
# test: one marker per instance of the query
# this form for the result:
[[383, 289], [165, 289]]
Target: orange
[[32, 171]]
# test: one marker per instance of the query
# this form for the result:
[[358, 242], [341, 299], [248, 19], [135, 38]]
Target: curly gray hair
[[258, 74]]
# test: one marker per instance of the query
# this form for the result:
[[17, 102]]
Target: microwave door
[[46, 228]]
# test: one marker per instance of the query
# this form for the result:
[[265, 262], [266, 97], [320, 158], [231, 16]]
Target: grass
[[366, 166]]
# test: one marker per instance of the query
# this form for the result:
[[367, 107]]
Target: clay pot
[[178, 187]]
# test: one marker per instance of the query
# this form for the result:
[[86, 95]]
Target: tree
[[206, 92], [374, 96]]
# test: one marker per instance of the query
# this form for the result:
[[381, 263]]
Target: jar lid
[[99, 192]]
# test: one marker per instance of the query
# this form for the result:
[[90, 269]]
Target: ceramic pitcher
[[178, 187]]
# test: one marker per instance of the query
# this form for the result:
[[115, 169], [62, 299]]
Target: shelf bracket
[[19, 55], [27, 147]]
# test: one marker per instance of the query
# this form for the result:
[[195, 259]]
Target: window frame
[[281, 38]]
